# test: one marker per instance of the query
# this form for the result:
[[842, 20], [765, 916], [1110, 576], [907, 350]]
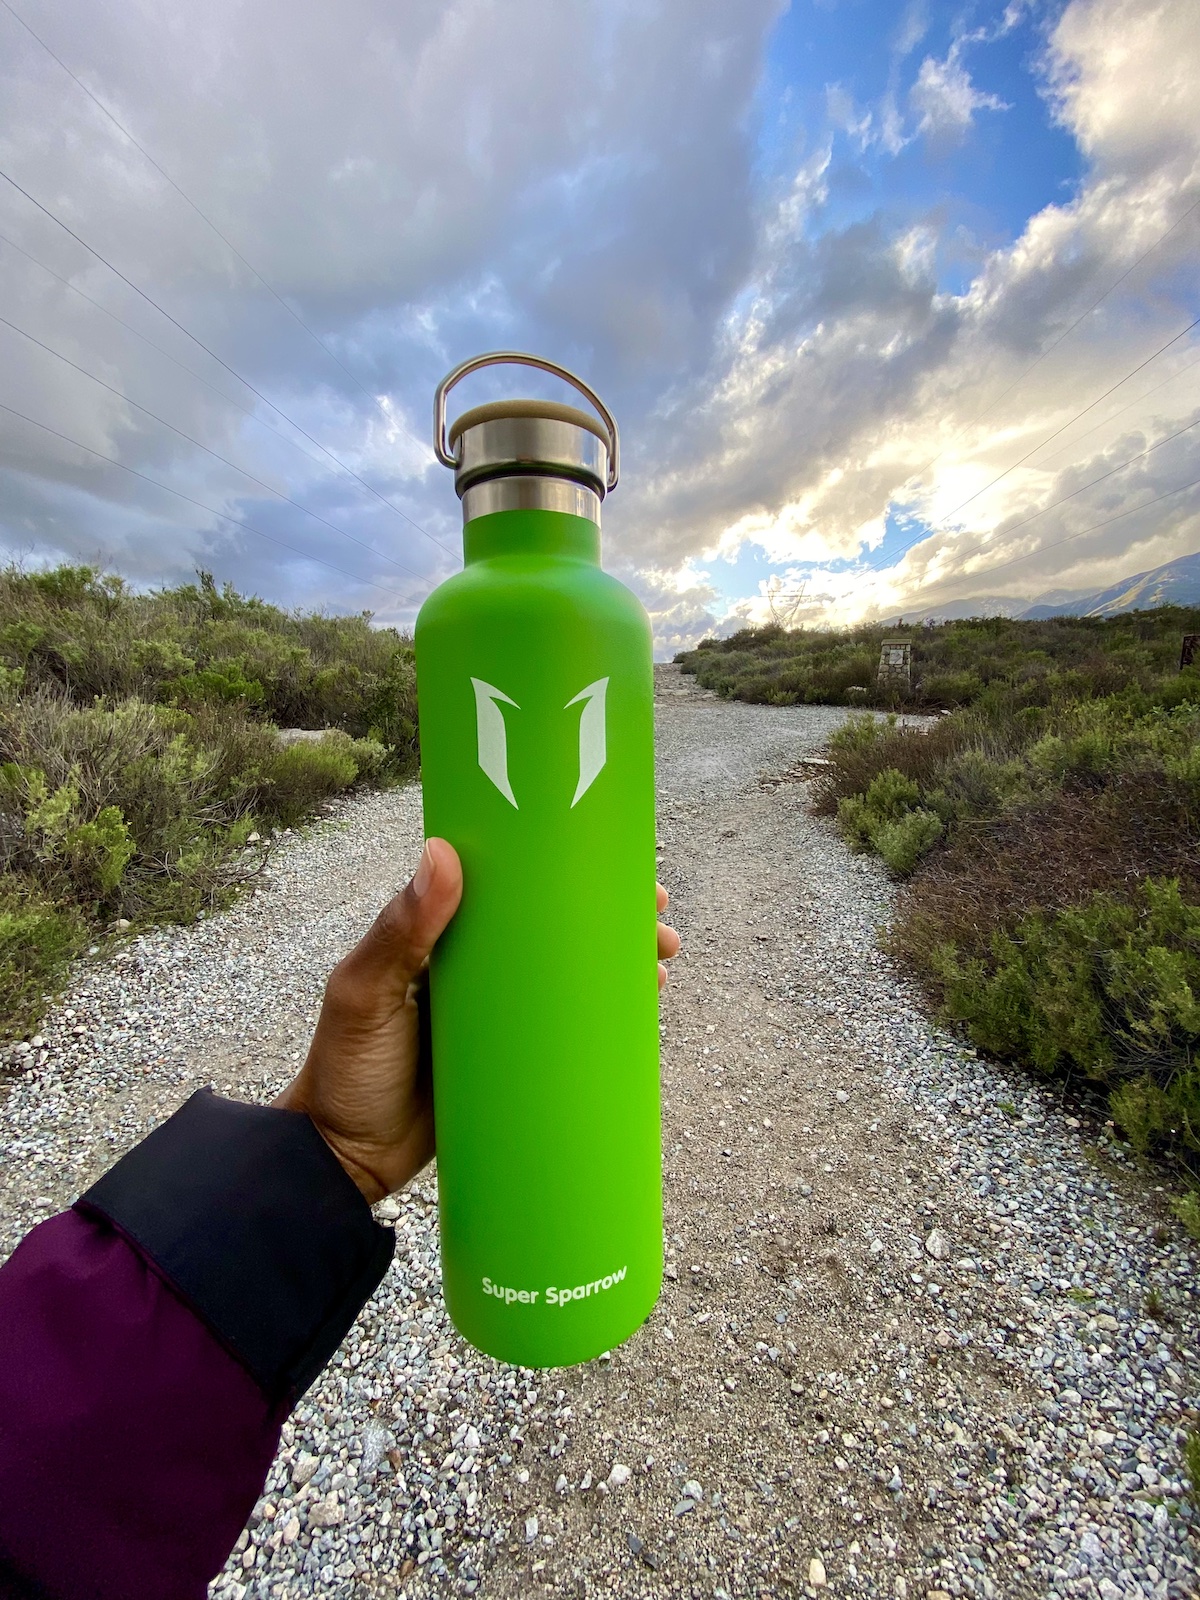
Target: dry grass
[[1052, 853]]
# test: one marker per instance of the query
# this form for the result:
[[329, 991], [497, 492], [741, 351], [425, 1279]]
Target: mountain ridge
[[1175, 583]]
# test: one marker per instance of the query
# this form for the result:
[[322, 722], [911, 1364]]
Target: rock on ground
[[921, 1331]]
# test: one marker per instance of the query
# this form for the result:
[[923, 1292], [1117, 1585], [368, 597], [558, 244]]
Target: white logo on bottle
[[493, 736], [592, 753]]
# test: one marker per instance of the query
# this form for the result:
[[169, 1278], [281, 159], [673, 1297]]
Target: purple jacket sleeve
[[153, 1339]]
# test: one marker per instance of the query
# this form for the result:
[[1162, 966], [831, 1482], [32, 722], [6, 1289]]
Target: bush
[[985, 662], [1055, 914], [37, 942], [302, 775], [1187, 1208], [1111, 990], [890, 820], [138, 751], [903, 842], [1191, 1465], [86, 635], [868, 745]]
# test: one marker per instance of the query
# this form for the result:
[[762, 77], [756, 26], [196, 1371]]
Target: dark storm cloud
[[418, 183]]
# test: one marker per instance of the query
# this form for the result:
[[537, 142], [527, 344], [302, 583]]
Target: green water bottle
[[535, 689]]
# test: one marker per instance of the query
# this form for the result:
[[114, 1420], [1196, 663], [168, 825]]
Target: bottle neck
[[531, 516], [525, 533], [531, 491]]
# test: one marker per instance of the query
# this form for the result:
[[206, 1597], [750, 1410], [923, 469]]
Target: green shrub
[[98, 851], [903, 842], [891, 794], [1058, 921], [370, 759], [302, 775], [1191, 1465], [224, 682], [945, 690], [83, 634], [861, 731], [139, 751], [1187, 1208], [1111, 990], [890, 820], [37, 942], [1145, 1112], [993, 662]]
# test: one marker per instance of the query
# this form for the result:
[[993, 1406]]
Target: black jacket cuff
[[250, 1217]]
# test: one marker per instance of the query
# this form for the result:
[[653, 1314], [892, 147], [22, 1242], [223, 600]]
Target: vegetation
[[1047, 827], [1053, 907], [1191, 1462], [981, 661], [140, 760]]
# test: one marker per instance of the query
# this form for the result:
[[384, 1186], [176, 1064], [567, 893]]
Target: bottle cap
[[515, 454]]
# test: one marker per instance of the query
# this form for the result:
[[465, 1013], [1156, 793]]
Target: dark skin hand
[[367, 1082]]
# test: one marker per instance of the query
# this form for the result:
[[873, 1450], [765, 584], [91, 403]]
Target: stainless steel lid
[[528, 439], [533, 438]]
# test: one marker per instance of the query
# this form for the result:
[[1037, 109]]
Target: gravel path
[[905, 1347]]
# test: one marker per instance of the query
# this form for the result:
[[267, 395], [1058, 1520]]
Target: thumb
[[394, 948]]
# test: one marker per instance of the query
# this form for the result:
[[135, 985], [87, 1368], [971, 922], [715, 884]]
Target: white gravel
[[904, 1347]]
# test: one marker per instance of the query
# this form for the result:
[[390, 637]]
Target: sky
[[893, 304]]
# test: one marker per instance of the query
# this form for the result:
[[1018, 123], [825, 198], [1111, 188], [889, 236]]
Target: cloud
[[945, 100], [942, 100], [848, 386], [418, 183]]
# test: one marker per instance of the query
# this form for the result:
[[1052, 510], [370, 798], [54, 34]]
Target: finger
[[664, 899], [662, 976], [669, 942], [400, 939]]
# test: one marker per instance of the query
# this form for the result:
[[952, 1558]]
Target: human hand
[[367, 1082], [669, 942]]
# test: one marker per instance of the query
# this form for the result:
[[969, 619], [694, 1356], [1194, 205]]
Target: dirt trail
[[773, 1376]]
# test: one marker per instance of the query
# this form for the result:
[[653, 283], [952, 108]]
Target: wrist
[[369, 1186]]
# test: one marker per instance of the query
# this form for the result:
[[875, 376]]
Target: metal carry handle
[[518, 358]]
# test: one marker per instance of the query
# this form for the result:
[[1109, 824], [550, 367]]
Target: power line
[[1021, 376], [216, 455], [182, 365], [138, 334], [1145, 395], [940, 524], [212, 510], [1021, 461], [1041, 511], [203, 215], [1055, 543], [174, 321]]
